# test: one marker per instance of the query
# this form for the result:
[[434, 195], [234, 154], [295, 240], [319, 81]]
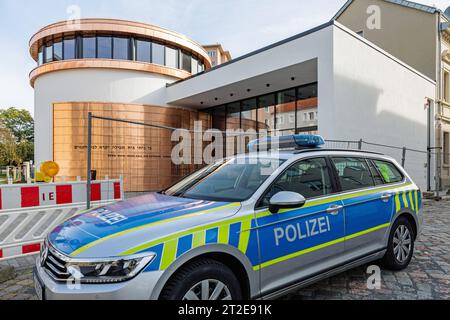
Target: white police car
[[252, 226]]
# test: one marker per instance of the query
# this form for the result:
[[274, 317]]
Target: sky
[[241, 26]]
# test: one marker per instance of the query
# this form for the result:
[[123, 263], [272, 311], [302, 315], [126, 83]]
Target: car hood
[[109, 231]]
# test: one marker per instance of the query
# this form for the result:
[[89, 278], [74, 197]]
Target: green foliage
[[16, 137], [19, 122]]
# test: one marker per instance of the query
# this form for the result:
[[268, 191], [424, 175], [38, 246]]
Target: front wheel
[[401, 246], [204, 279]]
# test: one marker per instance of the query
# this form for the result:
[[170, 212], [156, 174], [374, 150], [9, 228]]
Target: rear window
[[353, 173], [388, 171]]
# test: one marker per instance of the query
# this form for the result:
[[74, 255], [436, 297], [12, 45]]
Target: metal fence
[[147, 167]]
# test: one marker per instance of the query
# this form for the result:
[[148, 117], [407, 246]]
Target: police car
[[252, 226]]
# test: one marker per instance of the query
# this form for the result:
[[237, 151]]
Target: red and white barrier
[[19, 250], [29, 212], [37, 195]]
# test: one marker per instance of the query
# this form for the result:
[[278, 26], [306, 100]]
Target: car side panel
[[367, 221], [312, 240]]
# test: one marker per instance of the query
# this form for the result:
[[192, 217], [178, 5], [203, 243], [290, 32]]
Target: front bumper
[[139, 288]]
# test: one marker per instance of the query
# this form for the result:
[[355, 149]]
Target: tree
[[8, 150], [19, 122], [16, 136]]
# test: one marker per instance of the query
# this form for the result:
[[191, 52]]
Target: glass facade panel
[[274, 112], [233, 123], [69, 48], [307, 103], [249, 115], [266, 113], [104, 47], [41, 55], [186, 61], [285, 113], [89, 44], [158, 55], [58, 50], [172, 57], [49, 52], [143, 51], [121, 48], [194, 67]]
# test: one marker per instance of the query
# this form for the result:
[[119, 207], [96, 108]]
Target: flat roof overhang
[[301, 59], [285, 78]]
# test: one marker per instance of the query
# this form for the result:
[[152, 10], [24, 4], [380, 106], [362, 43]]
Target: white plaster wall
[[90, 85], [378, 99]]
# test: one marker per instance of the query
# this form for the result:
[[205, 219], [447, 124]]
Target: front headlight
[[109, 270]]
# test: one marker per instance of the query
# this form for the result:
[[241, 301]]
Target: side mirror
[[286, 200]]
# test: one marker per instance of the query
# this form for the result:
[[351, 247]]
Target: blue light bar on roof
[[298, 141]]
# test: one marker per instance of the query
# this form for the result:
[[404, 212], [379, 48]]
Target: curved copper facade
[[141, 154], [118, 27], [106, 64]]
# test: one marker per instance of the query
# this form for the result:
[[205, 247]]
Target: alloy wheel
[[208, 290], [402, 243]]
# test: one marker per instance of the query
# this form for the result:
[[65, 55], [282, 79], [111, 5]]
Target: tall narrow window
[[121, 48], [104, 47], [49, 52], [158, 53], [186, 62], [285, 108], [266, 114], [172, 58], [89, 51], [446, 147], [446, 85], [58, 50], [69, 48], [41, 55], [194, 66], [143, 51]]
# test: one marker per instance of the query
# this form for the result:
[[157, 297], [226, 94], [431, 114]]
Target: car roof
[[289, 154]]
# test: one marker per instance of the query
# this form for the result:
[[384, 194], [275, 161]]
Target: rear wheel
[[204, 279], [401, 245]]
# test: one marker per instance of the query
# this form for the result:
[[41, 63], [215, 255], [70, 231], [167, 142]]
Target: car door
[[298, 243], [368, 206]]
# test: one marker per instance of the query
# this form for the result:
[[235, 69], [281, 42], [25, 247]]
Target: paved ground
[[428, 276]]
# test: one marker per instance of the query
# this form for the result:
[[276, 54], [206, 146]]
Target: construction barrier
[[29, 212]]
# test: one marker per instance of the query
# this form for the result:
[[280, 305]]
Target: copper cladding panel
[[142, 155]]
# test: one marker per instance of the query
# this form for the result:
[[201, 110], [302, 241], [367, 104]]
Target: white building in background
[[327, 80]]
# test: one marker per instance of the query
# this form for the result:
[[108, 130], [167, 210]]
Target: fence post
[[89, 150], [403, 157], [360, 144]]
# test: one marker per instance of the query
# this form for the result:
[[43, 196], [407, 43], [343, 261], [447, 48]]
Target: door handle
[[334, 209], [386, 197]]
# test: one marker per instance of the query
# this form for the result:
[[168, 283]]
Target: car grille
[[55, 265]]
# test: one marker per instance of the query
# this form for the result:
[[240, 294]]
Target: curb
[[7, 273]]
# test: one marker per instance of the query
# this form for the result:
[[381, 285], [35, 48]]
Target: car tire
[[189, 283], [401, 246]]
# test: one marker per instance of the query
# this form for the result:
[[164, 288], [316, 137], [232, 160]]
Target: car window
[[389, 172], [230, 180], [375, 174], [353, 173], [310, 178]]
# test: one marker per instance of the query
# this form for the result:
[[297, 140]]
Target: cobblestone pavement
[[428, 276]]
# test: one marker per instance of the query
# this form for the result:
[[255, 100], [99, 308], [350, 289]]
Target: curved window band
[[119, 48]]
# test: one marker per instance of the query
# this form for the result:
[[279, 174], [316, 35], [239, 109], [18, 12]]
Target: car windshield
[[232, 180]]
